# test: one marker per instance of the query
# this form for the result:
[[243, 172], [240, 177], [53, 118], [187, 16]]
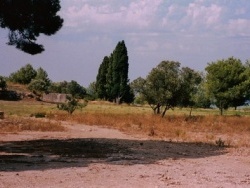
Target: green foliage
[[3, 84], [167, 86], [24, 75], [128, 96], [40, 83], [227, 83], [38, 86], [60, 87], [71, 105], [190, 81], [91, 91], [120, 72], [201, 97], [26, 20], [73, 88], [112, 78], [101, 79], [76, 90], [162, 87], [41, 74]]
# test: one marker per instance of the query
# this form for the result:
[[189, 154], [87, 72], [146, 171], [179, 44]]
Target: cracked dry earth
[[91, 156]]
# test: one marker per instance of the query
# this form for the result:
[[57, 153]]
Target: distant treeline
[[224, 83]]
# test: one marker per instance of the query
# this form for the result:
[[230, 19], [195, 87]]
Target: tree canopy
[[24, 75], [163, 85], [228, 83], [167, 85], [73, 88], [190, 80], [27, 19], [40, 83]]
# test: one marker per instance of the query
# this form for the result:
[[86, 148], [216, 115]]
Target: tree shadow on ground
[[45, 154]]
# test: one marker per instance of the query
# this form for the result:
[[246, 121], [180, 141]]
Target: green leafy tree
[[72, 88], [55, 87], [190, 81], [58, 87], [163, 86], [38, 86], [40, 83], [24, 75], [76, 90], [91, 91], [71, 105], [201, 98], [227, 83], [139, 89], [41, 74], [27, 19]]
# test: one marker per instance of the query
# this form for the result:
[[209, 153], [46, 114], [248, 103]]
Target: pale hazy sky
[[193, 32]]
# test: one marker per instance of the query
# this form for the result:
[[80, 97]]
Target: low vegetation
[[232, 129], [229, 130]]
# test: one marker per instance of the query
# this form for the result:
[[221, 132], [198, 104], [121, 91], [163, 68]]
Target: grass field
[[205, 125]]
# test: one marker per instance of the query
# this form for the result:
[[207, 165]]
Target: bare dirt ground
[[91, 156]]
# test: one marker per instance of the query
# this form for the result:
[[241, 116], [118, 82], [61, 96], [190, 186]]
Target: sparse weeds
[[220, 142], [39, 115], [152, 132]]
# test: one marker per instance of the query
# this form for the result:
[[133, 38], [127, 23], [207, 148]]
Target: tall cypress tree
[[101, 79], [109, 79], [112, 78], [120, 72]]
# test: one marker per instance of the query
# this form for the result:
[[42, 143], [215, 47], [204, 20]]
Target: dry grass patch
[[233, 130], [28, 124]]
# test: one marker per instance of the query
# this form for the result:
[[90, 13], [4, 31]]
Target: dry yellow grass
[[233, 130], [28, 124], [204, 126]]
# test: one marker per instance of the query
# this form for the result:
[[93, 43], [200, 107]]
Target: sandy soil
[[90, 156]]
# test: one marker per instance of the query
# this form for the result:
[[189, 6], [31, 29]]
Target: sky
[[192, 32]]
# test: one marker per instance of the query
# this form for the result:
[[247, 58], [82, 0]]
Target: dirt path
[[89, 156]]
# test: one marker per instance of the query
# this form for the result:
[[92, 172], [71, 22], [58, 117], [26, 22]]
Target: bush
[[38, 115], [71, 105], [3, 84]]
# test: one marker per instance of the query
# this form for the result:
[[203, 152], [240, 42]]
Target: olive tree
[[228, 83]]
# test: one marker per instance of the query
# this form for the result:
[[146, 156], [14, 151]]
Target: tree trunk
[[221, 111], [157, 109], [221, 108], [165, 110], [118, 100], [190, 112]]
